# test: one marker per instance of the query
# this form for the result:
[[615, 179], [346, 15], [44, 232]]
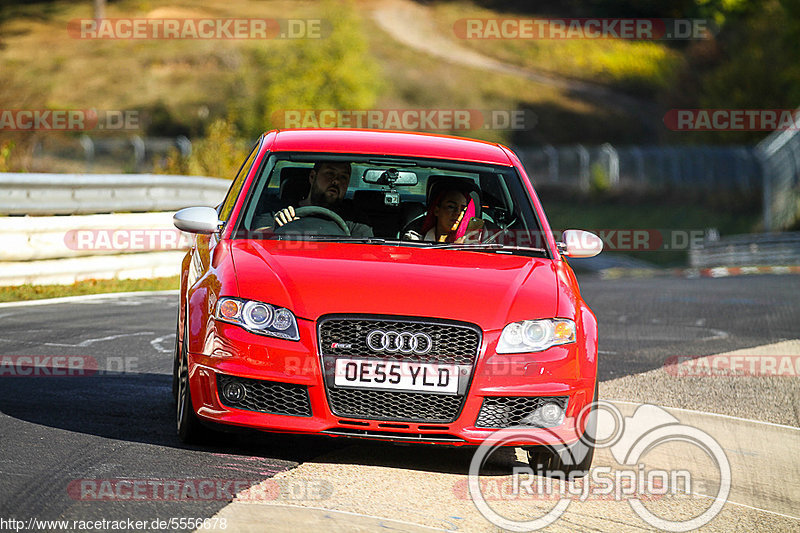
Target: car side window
[[236, 186]]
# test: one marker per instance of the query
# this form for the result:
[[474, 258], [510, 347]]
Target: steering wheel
[[410, 223], [317, 211]]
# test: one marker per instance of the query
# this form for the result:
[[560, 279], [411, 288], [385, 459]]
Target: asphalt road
[[116, 423], [56, 432], [643, 322]]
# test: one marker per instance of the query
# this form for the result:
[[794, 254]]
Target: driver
[[329, 182]]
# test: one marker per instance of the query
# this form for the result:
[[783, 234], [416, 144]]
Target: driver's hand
[[284, 216]]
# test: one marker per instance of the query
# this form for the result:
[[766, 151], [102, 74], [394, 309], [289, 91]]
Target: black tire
[[190, 430], [574, 460], [175, 368]]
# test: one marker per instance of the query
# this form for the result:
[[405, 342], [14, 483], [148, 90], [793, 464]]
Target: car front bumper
[[286, 392]]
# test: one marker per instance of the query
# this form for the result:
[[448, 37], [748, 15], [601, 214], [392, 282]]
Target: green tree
[[760, 63], [334, 72], [219, 154]]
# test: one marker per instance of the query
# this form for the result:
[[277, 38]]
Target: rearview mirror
[[197, 220], [390, 177], [579, 243]]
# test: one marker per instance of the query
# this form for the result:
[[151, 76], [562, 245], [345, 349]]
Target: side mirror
[[197, 220], [579, 243]]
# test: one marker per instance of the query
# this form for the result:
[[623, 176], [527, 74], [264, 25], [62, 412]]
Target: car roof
[[389, 143]]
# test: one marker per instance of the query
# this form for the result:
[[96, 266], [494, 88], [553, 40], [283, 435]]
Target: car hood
[[314, 279]]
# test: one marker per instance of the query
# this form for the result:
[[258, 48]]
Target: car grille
[[267, 396], [346, 336], [392, 405], [452, 343], [394, 435], [507, 411]]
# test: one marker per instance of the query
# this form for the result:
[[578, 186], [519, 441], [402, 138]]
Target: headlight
[[536, 335], [258, 317]]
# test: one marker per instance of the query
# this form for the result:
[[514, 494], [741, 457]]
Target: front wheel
[[573, 460], [190, 430]]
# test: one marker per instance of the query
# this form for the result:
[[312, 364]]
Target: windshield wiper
[[331, 238], [489, 247]]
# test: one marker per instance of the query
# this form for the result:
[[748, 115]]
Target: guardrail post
[[184, 145], [138, 152], [583, 159], [613, 164], [552, 162], [88, 151]]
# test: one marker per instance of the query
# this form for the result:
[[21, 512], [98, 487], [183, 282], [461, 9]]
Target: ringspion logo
[[629, 439]]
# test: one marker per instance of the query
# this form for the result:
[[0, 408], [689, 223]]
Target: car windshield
[[407, 201]]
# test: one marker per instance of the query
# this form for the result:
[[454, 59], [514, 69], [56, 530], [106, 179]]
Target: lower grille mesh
[[507, 411], [389, 405], [267, 396]]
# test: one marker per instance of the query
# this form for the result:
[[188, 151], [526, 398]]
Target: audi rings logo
[[396, 342]]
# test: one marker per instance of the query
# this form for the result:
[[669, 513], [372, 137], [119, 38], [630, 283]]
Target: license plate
[[397, 375]]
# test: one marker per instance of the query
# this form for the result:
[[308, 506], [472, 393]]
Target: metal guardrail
[[57, 249], [710, 168], [138, 241], [748, 250], [134, 153], [69, 270], [70, 194], [58, 237]]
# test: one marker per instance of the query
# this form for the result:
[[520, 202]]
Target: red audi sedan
[[384, 285]]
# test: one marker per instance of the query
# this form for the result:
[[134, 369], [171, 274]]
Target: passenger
[[444, 215], [328, 185]]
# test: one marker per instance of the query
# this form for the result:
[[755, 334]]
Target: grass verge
[[643, 67], [91, 286]]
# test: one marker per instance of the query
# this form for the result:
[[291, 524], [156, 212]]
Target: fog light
[[233, 392], [551, 414]]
